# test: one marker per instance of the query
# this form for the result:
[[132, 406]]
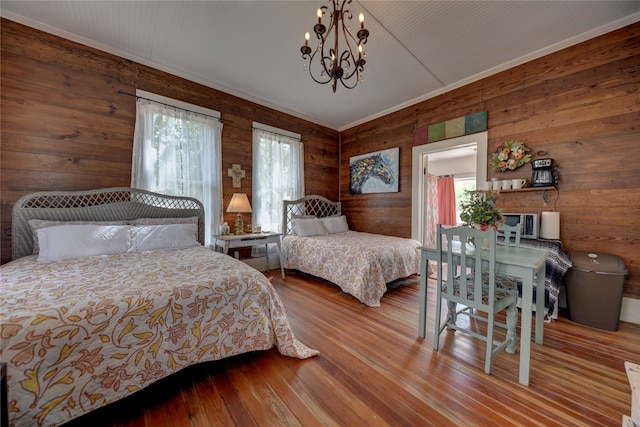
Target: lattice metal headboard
[[309, 205], [107, 204]]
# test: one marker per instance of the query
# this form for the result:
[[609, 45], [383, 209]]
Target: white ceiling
[[416, 49]]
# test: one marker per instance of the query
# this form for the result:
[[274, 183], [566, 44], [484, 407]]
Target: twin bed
[[317, 241], [81, 332]]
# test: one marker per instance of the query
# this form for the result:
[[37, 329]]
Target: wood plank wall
[[65, 127], [580, 105]]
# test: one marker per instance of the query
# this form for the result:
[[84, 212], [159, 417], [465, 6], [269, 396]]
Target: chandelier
[[327, 63]]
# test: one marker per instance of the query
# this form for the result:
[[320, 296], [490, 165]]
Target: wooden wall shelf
[[517, 190]]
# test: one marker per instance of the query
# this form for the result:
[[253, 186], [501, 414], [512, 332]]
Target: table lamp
[[240, 204]]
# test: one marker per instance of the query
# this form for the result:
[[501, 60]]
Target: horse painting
[[373, 166]]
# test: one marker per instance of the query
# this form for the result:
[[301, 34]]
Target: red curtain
[[446, 200]]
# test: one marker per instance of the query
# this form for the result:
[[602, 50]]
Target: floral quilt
[[361, 264], [82, 333]]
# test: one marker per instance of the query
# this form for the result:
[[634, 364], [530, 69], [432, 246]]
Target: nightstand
[[248, 240]]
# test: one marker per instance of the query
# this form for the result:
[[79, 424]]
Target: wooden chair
[[481, 296], [508, 231]]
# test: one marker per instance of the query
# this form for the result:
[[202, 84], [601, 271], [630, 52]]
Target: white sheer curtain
[[278, 174], [178, 152], [431, 209]]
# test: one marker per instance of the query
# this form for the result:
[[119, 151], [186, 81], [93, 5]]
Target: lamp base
[[239, 225]]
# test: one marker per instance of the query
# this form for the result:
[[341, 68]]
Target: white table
[[231, 241], [519, 262]]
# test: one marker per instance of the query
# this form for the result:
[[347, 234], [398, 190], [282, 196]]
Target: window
[[463, 186], [178, 152], [278, 174]]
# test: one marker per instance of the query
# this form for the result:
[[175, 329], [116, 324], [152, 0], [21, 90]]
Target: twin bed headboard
[[315, 205], [107, 204]]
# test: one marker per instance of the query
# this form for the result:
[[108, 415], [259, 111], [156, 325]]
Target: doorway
[[422, 167]]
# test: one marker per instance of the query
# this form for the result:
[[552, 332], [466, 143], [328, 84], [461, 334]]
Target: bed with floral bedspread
[[361, 264], [80, 333], [317, 241]]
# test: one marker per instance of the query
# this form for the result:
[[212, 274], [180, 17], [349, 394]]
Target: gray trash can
[[595, 286]]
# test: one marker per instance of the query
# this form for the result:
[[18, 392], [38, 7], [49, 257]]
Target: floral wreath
[[511, 155]]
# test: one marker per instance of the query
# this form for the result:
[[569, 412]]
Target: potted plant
[[480, 210]]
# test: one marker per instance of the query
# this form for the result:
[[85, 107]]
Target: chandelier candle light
[[325, 63], [239, 204]]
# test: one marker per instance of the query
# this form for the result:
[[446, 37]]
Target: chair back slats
[[510, 231], [466, 242], [471, 282]]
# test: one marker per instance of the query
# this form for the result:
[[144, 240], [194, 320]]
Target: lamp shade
[[239, 203]]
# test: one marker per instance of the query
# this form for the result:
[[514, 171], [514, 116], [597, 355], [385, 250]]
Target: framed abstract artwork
[[375, 172]]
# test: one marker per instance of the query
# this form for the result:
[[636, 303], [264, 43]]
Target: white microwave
[[529, 223]]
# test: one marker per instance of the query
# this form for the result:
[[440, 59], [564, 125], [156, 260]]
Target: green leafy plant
[[480, 210]]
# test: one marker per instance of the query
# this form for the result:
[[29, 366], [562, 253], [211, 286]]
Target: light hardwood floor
[[374, 371]]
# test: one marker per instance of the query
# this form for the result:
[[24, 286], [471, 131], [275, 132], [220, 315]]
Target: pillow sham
[[335, 224], [37, 224], [61, 242], [164, 237], [308, 227]]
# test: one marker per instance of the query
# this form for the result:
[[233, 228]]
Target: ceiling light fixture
[[325, 64]]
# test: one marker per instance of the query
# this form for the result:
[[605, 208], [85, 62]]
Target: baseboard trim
[[630, 311]]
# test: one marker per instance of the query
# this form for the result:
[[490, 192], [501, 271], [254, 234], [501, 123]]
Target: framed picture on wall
[[375, 172]]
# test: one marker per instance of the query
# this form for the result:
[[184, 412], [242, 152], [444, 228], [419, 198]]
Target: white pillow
[[62, 242], [36, 224], [335, 224], [308, 227], [163, 237]]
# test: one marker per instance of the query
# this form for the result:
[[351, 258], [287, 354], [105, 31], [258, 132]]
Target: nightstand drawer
[[239, 243]]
